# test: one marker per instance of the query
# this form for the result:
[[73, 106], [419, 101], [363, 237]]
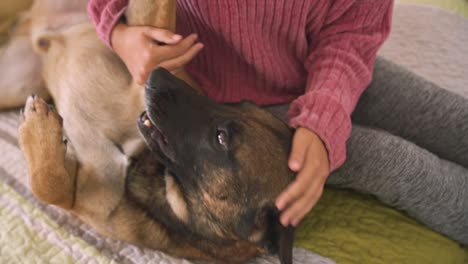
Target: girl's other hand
[[309, 158]]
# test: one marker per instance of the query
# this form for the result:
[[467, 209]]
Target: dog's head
[[225, 164]]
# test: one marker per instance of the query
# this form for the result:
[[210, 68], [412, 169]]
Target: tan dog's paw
[[41, 133]]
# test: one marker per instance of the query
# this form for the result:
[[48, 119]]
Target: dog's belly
[[92, 91]]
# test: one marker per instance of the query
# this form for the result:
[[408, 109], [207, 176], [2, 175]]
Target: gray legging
[[409, 148]]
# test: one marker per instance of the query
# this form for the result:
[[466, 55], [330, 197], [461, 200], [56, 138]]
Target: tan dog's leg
[[41, 140]]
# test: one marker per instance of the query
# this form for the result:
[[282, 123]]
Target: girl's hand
[[144, 48], [309, 158]]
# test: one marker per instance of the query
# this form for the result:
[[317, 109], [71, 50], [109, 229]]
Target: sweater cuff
[[109, 17], [323, 115]]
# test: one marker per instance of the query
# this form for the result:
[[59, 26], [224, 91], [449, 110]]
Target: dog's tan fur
[[99, 103], [24, 75]]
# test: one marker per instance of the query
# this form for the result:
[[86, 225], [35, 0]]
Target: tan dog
[[153, 207]]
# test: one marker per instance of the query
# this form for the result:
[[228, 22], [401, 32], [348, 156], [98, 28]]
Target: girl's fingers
[[161, 35], [291, 194], [307, 199], [169, 57], [180, 61], [300, 196], [173, 51], [296, 212], [298, 150], [300, 185], [304, 200]]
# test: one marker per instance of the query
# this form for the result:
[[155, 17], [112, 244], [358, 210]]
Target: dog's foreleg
[[41, 140]]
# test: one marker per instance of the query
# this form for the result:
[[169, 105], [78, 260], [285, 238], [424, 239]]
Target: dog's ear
[[277, 238], [284, 242], [282, 238]]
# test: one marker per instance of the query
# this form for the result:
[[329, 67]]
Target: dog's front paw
[[40, 132]]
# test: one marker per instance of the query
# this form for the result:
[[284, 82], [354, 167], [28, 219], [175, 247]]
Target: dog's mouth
[[149, 125], [154, 136], [146, 121]]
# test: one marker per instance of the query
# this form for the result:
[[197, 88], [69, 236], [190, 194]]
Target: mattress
[[345, 227]]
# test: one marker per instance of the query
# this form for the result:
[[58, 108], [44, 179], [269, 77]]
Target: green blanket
[[353, 228], [458, 6]]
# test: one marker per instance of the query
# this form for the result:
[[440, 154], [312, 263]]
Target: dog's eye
[[223, 138]]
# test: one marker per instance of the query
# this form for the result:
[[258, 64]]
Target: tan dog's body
[[99, 103], [102, 134]]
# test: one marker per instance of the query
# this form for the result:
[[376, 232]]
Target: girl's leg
[[410, 107], [407, 177]]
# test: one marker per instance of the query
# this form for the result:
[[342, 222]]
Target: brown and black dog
[[204, 190], [224, 165]]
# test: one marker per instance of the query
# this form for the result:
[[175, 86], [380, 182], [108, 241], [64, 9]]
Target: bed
[[345, 227]]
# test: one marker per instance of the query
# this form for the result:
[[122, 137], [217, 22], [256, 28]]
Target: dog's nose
[[161, 80], [161, 89], [158, 78]]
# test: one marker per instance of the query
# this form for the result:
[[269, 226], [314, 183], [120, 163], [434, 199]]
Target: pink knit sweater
[[316, 54]]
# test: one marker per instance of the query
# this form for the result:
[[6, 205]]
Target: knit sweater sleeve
[[105, 14], [339, 65]]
